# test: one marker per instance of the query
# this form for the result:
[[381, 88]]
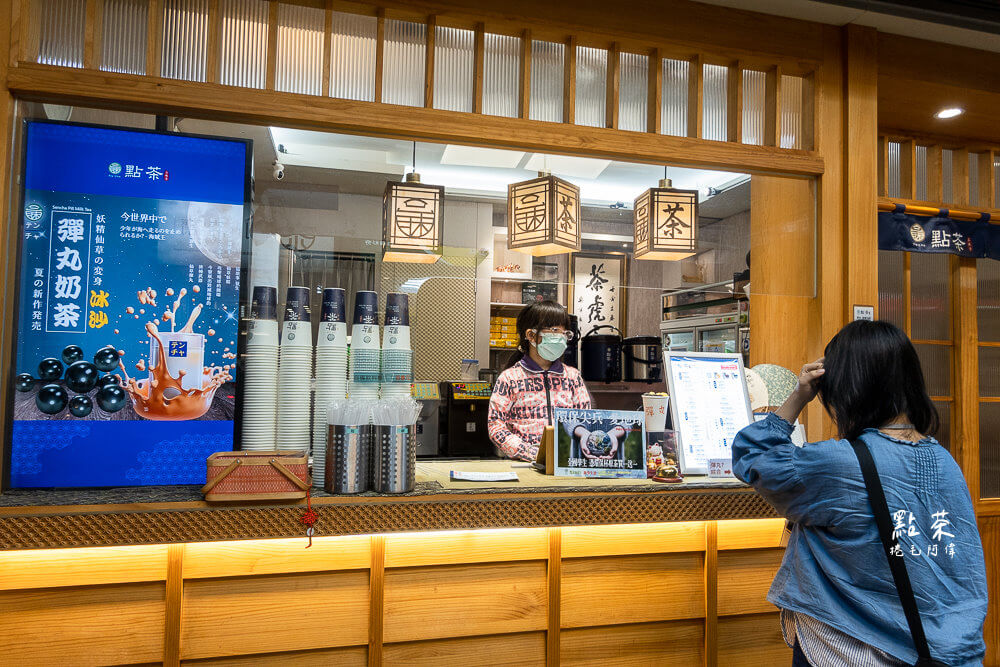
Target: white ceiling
[[483, 171], [821, 12]]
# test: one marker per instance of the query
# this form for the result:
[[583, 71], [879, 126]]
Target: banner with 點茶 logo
[[907, 232]]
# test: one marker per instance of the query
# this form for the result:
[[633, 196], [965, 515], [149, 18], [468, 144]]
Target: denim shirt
[[835, 568]]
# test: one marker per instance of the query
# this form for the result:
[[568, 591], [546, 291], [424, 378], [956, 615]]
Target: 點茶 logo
[[33, 212], [114, 168]]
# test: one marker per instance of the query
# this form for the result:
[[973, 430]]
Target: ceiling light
[[950, 112]]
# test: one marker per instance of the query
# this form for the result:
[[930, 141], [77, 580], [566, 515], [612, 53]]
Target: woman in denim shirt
[[839, 606]]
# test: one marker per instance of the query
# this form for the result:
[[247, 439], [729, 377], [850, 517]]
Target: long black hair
[[872, 376], [539, 315]]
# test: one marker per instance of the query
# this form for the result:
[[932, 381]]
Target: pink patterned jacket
[[522, 403]]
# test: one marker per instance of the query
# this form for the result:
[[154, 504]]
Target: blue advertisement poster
[[131, 252]]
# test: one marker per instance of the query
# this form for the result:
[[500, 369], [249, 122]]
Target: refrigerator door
[[717, 339]]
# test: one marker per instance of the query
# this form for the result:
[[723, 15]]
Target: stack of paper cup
[[295, 372], [260, 391], [397, 357], [365, 352], [331, 372]]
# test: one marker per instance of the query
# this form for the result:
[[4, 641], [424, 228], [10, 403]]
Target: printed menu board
[[131, 252], [709, 406]]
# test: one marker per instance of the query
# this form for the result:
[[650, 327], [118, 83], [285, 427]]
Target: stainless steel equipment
[[395, 455], [348, 459], [643, 359], [428, 427]]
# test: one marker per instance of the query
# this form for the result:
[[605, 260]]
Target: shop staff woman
[[535, 383]]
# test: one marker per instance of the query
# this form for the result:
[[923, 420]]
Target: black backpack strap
[[876, 496]]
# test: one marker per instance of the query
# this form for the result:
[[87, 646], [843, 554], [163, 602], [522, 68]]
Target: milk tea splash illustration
[[179, 386]]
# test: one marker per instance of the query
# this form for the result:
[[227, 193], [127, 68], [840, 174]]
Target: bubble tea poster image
[[131, 261]]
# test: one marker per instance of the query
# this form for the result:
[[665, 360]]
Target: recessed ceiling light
[[950, 112]]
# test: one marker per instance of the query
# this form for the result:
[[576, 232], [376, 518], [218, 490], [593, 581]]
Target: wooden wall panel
[[414, 549], [580, 541], [744, 579], [752, 641], [512, 650], [355, 656], [458, 601], [82, 567], [750, 533], [674, 643], [100, 625], [631, 589], [233, 559], [266, 614]]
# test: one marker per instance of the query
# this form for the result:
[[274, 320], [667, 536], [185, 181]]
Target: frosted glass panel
[[548, 63], [185, 39], [61, 25], [946, 173], [633, 92], [791, 111], [935, 360], [988, 307], [352, 56], [920, 167], [890, 287], [892, 187], [674, 105], [715, 96], [754, 103], [404, 63], [243, 43], [989, 372], [989, 450], [299, 65], [454, 68], [930, 297], [591, 86], [501, 73], [943, 434], [123, 38]]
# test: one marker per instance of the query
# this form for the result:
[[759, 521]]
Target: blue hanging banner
[[898, 230]]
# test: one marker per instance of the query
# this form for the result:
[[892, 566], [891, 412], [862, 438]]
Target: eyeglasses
[[568, 335]]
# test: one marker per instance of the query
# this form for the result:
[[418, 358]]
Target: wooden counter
[[54, 518]]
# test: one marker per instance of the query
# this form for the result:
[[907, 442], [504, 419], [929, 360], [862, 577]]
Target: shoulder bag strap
[[876, 496]]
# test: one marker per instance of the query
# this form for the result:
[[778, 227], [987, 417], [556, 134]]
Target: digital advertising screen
[[132, 247]]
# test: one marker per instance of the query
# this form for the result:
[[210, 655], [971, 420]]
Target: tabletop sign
[[709, 405], [599, 443]]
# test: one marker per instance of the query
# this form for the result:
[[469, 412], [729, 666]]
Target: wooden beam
[[174, 602], [711, 593], [569, 82], [327, 47], [554, 576], [213, 51], [429, 62], [379, 54], [479, 68], [860, 149], [376, 601], [614, 78], [695, 96], [272, 45], [175, 97], [734, 103], [654, 113], [93, 34], [154, 37], [772, 106], [524, 78]]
